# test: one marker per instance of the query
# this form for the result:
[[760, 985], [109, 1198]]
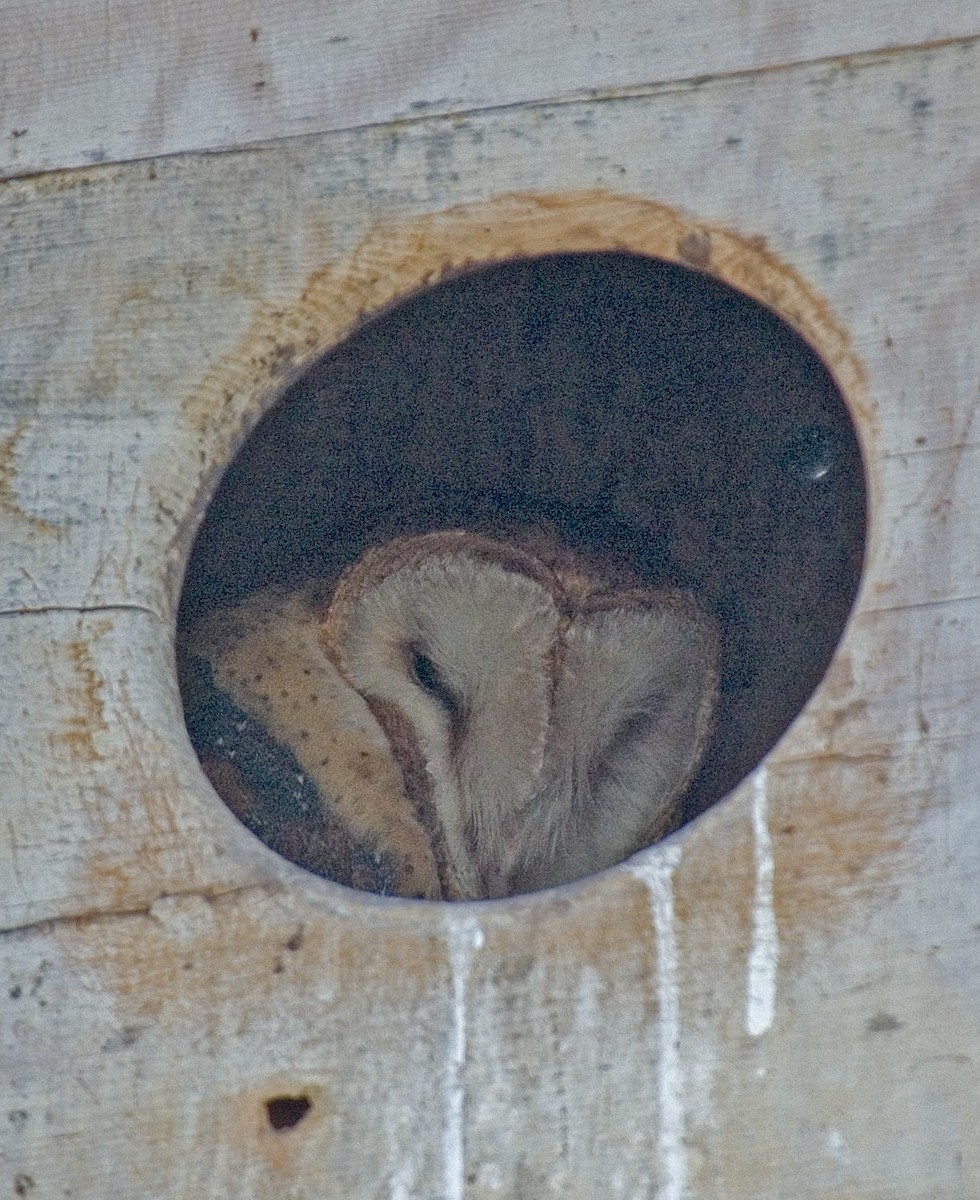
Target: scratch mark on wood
[[940, 602], [82, 610], [14, 862], [111, 915]]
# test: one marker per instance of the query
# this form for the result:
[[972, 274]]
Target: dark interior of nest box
[[631, 405]]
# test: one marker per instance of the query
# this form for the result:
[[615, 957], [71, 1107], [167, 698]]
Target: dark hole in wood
[[286, 1112], [639, 406]]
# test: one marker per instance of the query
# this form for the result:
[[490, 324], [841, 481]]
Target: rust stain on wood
[[841, 818], [142, 813], [695, 248], [218, 966], [596, 925], [244, 1126], [714, 883], [86, 718], [836, 834], [8, 476]]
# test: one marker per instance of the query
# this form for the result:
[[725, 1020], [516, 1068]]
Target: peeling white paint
[[760, 1000], [465, 937], [658, 875]]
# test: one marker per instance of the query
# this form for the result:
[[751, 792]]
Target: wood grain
[[87, 83]]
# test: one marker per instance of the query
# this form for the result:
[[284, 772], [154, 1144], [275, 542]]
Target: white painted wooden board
[[782, 1000], [86, 83]]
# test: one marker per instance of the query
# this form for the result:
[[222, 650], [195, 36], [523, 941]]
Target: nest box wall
[[778, 1001]]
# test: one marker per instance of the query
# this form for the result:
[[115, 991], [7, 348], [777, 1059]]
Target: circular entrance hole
[[636, 412]]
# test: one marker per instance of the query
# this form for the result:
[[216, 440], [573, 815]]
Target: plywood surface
[[88, 83], [781, 1001]]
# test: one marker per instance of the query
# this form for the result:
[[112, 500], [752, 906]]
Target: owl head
[[545, 723]]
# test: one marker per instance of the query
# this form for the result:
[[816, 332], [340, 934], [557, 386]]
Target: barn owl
[[530, 719]]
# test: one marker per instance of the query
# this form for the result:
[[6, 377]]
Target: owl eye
[[425, 672], [430, 679]]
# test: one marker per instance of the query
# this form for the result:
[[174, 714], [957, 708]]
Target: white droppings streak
[[465, 937], [588, 1009], [760, 1000], [658, 875], [401, 1185]]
